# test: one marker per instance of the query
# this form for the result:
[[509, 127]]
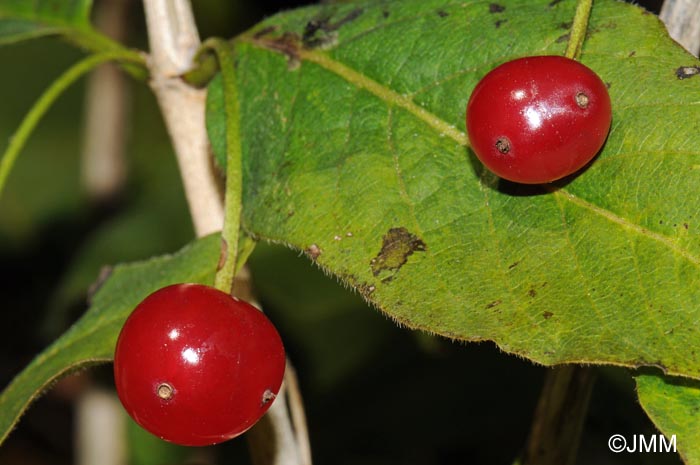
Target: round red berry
[[196, 366], [537, 119]]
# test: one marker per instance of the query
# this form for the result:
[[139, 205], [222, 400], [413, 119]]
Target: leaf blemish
[[685, 72], [397, 245], [532, 292], [321, 33], [313, 251], [554, 3], [288, 44], [494, 303], [547, 315], [499, 22], [562, 38], [442, 13], [496, 8]]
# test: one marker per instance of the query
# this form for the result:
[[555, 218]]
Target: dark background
[[375, 394]]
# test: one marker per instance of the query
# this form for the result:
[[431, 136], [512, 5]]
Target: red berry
[[196, 366], [537, 119]]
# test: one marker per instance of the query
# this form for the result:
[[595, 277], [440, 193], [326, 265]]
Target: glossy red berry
[[196, 366], [537, 119]]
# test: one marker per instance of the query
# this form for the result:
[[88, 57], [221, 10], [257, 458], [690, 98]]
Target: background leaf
[[21, 20], [355, 154], [674, 406], [92, 339]]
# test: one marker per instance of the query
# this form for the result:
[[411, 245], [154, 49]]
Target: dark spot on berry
[[397, 245], [165, 391], [313, 251], [582, 100], [499, 22], [267, 397], [495, 303], [503, 145], [496, 8], [554, 3], [685, 72], [532, 293], [547, 315], [442, 13]]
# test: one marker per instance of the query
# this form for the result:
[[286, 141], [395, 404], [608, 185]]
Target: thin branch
[[174, 40], [106, 108], [19, 138], [558, 421], [682, 19]]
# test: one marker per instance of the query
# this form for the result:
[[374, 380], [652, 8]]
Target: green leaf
[[92, 338], [20, 20], [23, 20], [352, 125], [674, 406]]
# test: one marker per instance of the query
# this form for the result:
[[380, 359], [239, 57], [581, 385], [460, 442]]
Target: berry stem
[[234, 176], [578, 29]]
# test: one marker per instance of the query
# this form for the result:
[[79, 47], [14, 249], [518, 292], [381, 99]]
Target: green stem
[[30, 121], [578, 29], [234, 173]]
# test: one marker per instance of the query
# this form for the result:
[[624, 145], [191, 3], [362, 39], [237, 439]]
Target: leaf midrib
[[393, 98]]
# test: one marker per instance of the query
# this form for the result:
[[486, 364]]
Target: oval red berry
[[537, 119], [195, 366]]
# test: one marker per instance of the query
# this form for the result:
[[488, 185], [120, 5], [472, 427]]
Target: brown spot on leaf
[[566, 25], [496, 8], [562, 38], [547, 315], [265, 31], [322, 32], [685, 72], [442, 13], [222, 255], [513, 265], [532, 292], [288, 44], [499, 22], [397, 245], [313, 251], [495, 303], [632, 53], [554, 3]]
